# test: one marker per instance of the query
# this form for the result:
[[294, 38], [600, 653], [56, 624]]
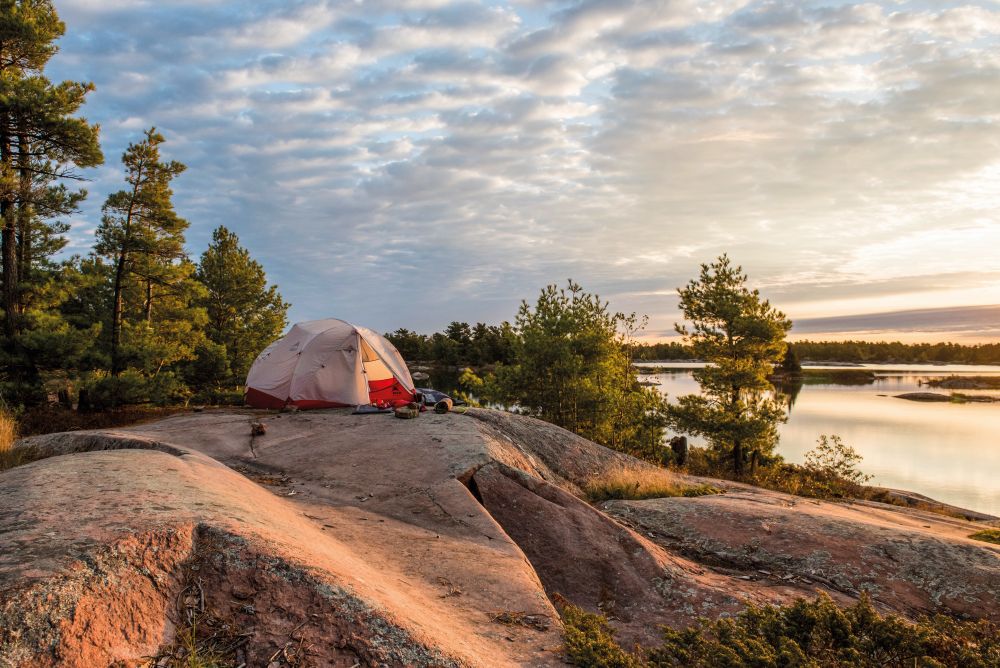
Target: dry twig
[[536, 621]]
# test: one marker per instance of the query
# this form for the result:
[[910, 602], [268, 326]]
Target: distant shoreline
[[834, 363]]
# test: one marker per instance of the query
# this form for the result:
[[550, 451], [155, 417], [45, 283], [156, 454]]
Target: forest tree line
[[896, 352], [892, 352], [136, 319], [461, 344]]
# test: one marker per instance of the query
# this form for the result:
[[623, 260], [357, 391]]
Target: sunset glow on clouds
[[412, 163]]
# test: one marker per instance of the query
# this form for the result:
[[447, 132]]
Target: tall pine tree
[[244, 313], [742, 337], [143, 237], [41, 144]]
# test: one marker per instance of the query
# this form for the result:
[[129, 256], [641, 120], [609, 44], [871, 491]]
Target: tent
[[326, 364]]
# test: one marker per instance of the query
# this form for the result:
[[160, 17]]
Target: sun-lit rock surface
[[399, 542]]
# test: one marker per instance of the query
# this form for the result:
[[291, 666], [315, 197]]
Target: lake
[[949, 452]]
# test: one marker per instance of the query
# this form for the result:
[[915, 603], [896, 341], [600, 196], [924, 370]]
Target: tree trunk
[[149, 302], [23, 217], [23, 241], [734, 404], [83, 403], [234, 355], [9, 252], [117, 309], [116, 314]]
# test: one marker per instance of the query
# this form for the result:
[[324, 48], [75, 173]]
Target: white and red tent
[[326, 364]]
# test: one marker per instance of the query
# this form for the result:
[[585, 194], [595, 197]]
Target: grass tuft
[[9, 457], [638, 484], [987, 535], [194, 652]]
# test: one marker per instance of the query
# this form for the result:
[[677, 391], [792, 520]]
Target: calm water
[[950, 452]]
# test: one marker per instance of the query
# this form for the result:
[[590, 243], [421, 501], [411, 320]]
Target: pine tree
[[572, 367], [156, 322], [41, 144], [244, 313], [742, 337], [156, 341], [143, 236], [54, 336]]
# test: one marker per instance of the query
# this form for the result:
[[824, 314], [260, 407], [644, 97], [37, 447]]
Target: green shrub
[[699, 490], [808, 633], [834, 467], [987, 535], [571, 366], [134, 387], [218, 396], [590, 641], [17, 393], [704, 462], [830, 471], [209, 368]]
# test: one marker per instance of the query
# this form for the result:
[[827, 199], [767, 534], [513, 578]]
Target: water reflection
[[950, 452], [787, 392]]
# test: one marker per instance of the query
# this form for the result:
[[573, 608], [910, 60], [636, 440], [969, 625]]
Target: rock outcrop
[[909, 562], [336, 539]]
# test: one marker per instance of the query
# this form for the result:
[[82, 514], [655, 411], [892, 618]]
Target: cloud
[[844, 153], [975, 321]]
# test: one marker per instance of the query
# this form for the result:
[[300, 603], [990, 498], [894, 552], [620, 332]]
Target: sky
[[408, 163]]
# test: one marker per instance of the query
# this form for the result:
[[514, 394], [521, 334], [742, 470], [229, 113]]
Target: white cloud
[[502, 147]]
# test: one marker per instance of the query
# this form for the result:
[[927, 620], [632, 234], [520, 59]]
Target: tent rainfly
[[327, 364]]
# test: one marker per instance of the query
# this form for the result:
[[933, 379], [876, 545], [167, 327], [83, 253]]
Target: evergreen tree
[[153, 342], [41, 144], [55, 338], [790, 362], [492, 344], [244, 313], [411, 346], [143, 236], [573, 368], [741, 336], [444, 350]]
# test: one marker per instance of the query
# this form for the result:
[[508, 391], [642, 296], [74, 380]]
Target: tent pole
[[364, 369]]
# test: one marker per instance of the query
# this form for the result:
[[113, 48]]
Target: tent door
[[382, 385]]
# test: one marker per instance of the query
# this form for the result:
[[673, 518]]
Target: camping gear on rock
[[432, 397], [409, 411], [368, 409], [329, 364], [443, 406]]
